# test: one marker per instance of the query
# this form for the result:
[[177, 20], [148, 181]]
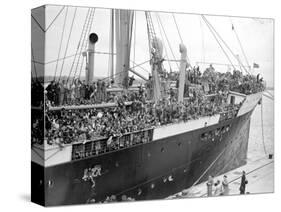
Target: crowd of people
[[67, 126], [75, 93]]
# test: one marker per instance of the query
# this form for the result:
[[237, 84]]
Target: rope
[[262, 130], [210, 26], [270, 97], [240, 44], [45, 30], [78, 47], [66, 57], [179, 34], [91, 23], [65, 17], [55, 18], [202, 175], [38, 24], [68, 41], [157, 16], [34, 66], [218, 42], [116, 74], [165, 49], [237, 178]]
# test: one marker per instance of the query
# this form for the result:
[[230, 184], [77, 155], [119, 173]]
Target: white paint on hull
[[183, 127], [250, 103], [51, 155]]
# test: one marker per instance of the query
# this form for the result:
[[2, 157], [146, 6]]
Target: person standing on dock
[[244, 181], [218, 189], [210, 184], [225, 185]]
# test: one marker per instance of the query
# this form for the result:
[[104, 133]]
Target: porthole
[[50, 183]]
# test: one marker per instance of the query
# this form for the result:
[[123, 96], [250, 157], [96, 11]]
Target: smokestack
[[93, 38]]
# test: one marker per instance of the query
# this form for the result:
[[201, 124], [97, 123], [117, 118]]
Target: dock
[[259, 173]]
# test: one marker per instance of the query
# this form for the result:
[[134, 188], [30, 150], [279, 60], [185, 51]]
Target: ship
[[151, 163]]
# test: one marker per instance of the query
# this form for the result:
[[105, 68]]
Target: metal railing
[[105, 145]]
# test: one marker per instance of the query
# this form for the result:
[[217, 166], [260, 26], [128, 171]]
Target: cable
[[165, 49], [68, 41], [55, 19], [262, 130], [209, 24], [240, 44], [63, 28], [34, 66], [78, 47], [66, 57], [91, 23], [188, 60], [166, 38], [38, 24], [218, 42]]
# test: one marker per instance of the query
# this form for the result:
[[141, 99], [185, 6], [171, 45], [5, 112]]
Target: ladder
[[150, 30]]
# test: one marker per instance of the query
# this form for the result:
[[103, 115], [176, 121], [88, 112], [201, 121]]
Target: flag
[[255, 65]]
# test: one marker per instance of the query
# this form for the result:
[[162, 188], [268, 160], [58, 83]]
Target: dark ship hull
[[153, 170]]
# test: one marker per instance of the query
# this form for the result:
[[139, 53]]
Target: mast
[[123, 33], [90, 58]]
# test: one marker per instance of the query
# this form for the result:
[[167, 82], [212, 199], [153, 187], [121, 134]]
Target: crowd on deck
[[67, 126], [76, 92]]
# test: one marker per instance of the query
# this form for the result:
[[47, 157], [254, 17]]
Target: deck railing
[[104, 145]]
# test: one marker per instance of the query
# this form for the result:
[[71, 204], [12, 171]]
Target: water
[[255, 147]]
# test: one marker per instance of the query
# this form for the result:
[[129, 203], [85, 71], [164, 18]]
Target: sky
[[256, 36]]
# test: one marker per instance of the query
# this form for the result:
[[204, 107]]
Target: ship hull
[[153, 170]]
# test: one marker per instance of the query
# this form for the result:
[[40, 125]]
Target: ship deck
[[259, 173]]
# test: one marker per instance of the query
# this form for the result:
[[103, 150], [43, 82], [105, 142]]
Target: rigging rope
[[116, 74], [157, 16], [79, 44], [262, 130], [65, 17], [240, 44], [71, 27], [91, 23], [66, 57], [188, 60], [34, 66], [165, 49], [38, 24], [55, 19], [229, 49], [218, 42]]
